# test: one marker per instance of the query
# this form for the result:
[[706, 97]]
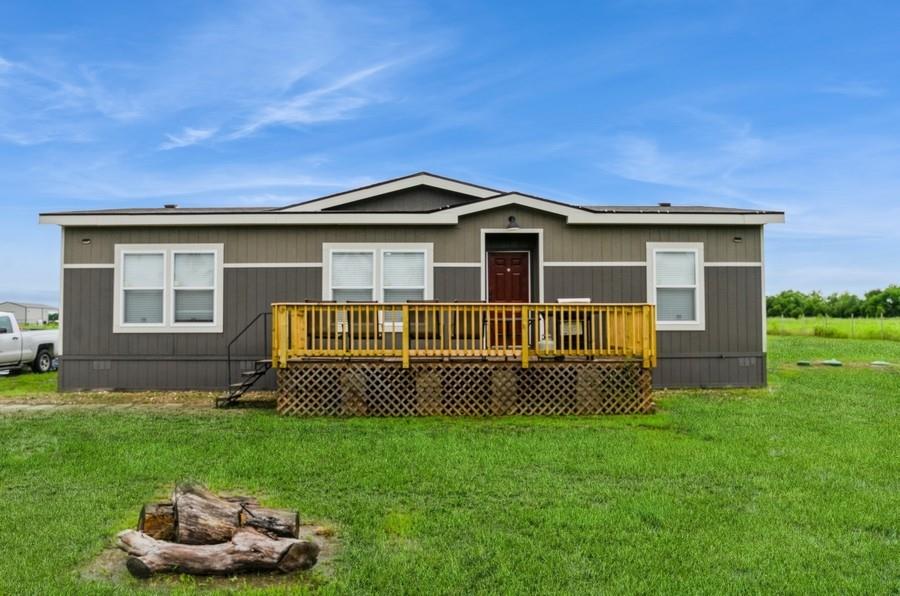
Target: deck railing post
[[524, 334], [405, 318], [274, 353], [646, 344], [283, 332]]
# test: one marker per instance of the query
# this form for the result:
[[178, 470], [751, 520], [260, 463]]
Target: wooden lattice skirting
[[463, 388]]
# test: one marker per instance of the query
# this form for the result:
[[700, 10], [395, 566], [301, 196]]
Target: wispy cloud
[[188, 136], [251, 66], [711, 169], [41, 102], [858, 89], [111, 180], [334, 101]]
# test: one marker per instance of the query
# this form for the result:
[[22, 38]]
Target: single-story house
[[169, 298], [27, 312]]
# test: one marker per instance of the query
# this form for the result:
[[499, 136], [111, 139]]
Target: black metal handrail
[[265, 316]]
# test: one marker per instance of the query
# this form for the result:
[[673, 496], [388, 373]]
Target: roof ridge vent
[[665, 204], [170, 206]]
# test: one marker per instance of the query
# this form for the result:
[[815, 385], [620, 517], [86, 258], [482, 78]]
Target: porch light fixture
[[513, 224], [85, 241]]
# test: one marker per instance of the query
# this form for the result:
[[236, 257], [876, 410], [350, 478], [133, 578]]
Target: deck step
[[248, 379]]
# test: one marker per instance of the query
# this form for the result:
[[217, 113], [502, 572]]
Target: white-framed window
[[403, 274], [168, 288], [377, 272], [352, 276], [675, 284]]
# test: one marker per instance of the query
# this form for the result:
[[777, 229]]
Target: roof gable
[[418, 199], [367, 193]]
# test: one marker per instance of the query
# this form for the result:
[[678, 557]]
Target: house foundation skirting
[[481, 388]]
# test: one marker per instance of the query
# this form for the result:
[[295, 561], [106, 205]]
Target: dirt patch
[[117, 401], [109, 568]]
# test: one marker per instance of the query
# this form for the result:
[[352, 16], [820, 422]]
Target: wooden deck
[[469, 331], [463, 359]]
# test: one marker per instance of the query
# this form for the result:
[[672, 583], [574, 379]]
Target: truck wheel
[[42, 362]]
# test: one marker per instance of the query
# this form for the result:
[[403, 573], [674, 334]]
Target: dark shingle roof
[[636, 209], [674, 209], [697, 209], [165, 210]]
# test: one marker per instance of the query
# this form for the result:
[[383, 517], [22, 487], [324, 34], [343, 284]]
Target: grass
[[861, 328], [25, 384], [792, 489], [39, 326]]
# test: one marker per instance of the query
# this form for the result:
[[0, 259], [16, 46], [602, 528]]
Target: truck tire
[[42, 362]]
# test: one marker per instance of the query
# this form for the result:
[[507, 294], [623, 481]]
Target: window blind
[[403, 295], [143, 306], [675, 304], [143, 271], [352, 295], [675, 268], [194, 306], [194, 270], [404, 270], [352, 269]]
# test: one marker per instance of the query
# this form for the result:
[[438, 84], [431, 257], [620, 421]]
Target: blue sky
[[783, 105]]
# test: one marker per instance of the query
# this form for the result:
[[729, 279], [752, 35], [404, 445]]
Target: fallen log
[[247, 550], [202, 517]]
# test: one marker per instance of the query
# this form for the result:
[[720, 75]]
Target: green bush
[[820, 331]]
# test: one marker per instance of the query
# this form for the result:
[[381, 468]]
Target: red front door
[[507, 282], [508, 277]]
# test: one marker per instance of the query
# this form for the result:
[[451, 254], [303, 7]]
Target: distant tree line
[[875, 303]]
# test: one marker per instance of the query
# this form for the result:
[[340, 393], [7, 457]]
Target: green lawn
[[791, 489], [861, 328], [25, 384]]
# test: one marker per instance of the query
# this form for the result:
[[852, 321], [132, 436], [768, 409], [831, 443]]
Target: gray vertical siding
[[710, 371], [600, 284], [459, 243], [457, 284], [95, 357], [733, 316], [728, 353], [723, 354]]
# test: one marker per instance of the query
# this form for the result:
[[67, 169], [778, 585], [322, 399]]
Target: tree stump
[[198, 516], [157, 520]]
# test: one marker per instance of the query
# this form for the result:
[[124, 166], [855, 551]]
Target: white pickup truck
[[18, 349]]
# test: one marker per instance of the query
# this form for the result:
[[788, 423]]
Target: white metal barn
[[29, 313]]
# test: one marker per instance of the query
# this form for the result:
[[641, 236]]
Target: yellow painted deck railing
[[463, 330]]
